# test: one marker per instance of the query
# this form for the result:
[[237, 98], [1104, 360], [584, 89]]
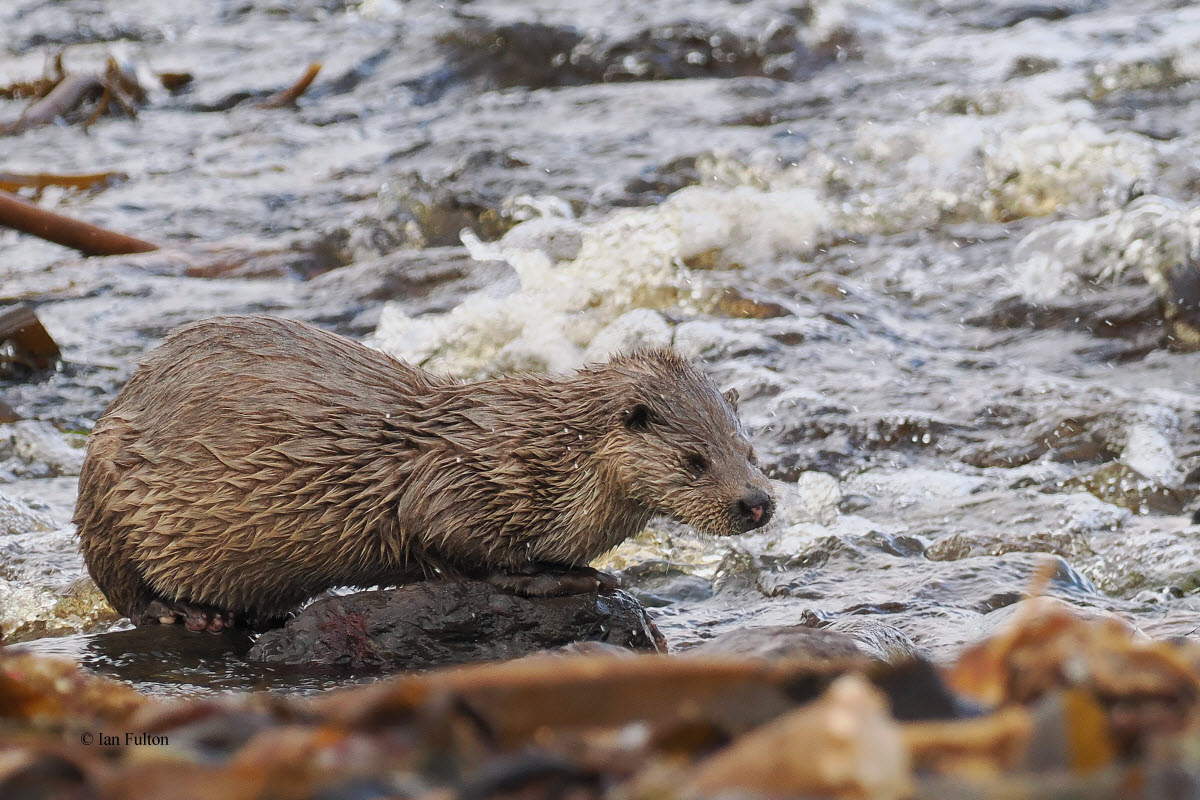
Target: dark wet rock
[[692, 50], [25, 346], [421, 281], [851, 503], [427, 215], [1126, 487], [833, 441], [1178, 287], [171, 660], [537, 55], [966, 104], [225, 101], [517, 54], [349, 79], [660, 583], [301, 10], [1125, 311], [431, 210], [1068, 435], [447, 622]]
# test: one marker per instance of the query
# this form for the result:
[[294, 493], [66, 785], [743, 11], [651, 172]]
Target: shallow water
[[919, 237], [173, 662]]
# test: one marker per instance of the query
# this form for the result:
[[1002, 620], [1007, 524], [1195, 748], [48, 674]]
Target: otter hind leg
[[543, 580], [151, 609]]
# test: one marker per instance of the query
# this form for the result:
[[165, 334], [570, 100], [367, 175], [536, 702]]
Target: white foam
[[1060, 258], [631, 259], [978, 168]]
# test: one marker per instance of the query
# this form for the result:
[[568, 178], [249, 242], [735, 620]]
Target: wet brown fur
[[252, 462]]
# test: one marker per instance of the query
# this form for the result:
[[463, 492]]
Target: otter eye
[[697, 465], [638, 418]]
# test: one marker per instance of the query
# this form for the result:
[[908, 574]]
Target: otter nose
[[753, 509]]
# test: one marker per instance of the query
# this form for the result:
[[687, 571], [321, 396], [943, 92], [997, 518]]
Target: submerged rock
[[1178, 287], [1128, 488], [40, 593], [36, 449], [451, 622], [18, 516], [1114, 275], [537, 55], [773, 642], [849, 638]]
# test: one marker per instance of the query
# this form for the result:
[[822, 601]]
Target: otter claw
[[193, 617], [608, 582]]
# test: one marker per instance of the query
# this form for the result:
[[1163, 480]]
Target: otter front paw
[[554, 582], [194, 616]]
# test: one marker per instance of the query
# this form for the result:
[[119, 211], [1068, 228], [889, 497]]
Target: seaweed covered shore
[[1054, 706]]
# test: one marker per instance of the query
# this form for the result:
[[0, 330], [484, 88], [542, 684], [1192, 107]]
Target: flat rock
[[774, 642], [451, 622]]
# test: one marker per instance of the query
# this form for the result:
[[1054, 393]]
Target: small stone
[[820, 495]]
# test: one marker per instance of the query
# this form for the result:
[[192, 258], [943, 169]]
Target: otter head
[[678, 448]]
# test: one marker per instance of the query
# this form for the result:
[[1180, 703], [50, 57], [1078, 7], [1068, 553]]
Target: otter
[[252, 462]]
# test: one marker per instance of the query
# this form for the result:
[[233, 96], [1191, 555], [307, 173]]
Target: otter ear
[[638, 418], [731, 396]]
